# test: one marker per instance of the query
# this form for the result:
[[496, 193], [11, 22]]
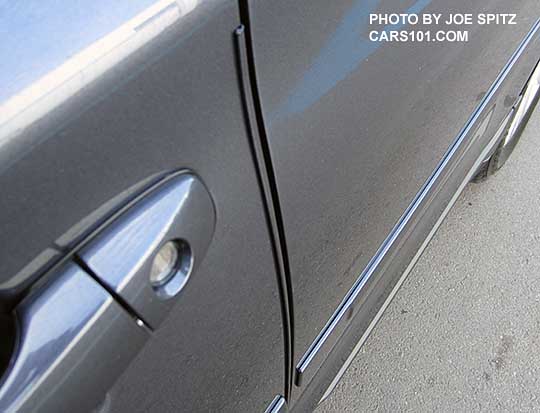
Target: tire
[[519, 116]]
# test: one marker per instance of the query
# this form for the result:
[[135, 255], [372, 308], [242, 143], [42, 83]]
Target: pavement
[[463, 333]]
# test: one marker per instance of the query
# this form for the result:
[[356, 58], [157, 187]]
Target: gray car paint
[[355, 129], [475, 138], [168, 97], [165, 98]]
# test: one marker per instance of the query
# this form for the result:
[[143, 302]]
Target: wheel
[[519, 116]]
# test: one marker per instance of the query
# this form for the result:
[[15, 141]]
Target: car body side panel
[[151, 90], [394, 261], [355, 129]]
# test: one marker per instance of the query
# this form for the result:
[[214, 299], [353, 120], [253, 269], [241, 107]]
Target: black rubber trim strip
[[267, 179]]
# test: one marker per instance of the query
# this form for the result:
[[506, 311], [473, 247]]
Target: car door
[[110, 111], [354, 129]]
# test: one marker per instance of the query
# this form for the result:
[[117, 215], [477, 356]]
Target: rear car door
[[101, 102], [354, 129]]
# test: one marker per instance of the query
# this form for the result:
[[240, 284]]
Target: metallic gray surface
[[383, 285], [166, 99], [356, 129], [488, 148], [474, 134], [122, 255], [462, 334], [73, 338], [48, 82]]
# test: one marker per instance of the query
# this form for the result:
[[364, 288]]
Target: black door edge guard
[[267, 183]]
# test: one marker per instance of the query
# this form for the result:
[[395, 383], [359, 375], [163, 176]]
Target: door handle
[[173, 221], [74, 340], [78, 331]]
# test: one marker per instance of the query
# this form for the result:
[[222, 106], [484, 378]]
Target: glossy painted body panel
[[355, 129], [415, 228], [145, 93]]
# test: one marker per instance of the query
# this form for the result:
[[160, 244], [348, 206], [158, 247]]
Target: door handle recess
[[74, 340]]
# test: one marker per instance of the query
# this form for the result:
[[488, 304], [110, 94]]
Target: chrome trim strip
[[373, 265], [278, 405]]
